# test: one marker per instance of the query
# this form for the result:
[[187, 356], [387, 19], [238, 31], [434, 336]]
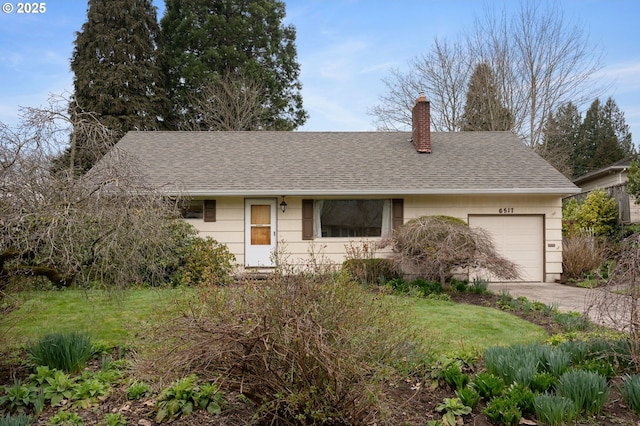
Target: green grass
[[457, 327], [112, 319], [452, 327]]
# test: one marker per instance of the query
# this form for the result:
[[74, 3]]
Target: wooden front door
[[260, 232]]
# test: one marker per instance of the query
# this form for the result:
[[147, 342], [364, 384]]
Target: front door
[[260, 232]]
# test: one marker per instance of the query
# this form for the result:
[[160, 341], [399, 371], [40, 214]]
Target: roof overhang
[[394, 193]]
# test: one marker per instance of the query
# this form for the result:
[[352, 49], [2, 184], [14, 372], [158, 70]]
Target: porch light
[[283, 205]]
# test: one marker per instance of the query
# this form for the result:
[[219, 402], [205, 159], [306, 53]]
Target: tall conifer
[[117, 69], [206, 41], [484, 109]]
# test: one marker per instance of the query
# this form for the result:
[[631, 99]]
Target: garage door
[[519, 239]]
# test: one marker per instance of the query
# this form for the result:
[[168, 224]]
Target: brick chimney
[[421, 125]]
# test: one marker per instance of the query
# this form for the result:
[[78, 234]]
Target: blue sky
[[345, 48]]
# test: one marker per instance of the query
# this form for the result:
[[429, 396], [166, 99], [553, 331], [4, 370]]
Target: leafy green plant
[[631, 391], [452, 408], [455, 378], [487, 385], [479, 286], [18, 396], [523, 397], [89, 391], [68, 352], [554, 410], [137, 390], [66, 418], [542, 381], [503, 410], [468, 396], [16, 420], [115, 419], [459, 285], [57, 387], [181, 398], [587, 389]]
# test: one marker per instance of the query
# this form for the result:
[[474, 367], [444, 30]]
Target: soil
[[411, 402]]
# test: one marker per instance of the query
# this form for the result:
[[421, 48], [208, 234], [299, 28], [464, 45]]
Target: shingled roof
[[340, 163]]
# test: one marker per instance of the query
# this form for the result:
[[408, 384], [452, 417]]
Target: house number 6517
[[506, 210]]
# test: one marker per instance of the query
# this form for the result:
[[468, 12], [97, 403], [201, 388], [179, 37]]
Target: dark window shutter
[[397, 212], [209, 210], [307, 219]]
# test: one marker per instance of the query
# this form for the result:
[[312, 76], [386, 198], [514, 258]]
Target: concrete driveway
[[612, 310], [565, 298]]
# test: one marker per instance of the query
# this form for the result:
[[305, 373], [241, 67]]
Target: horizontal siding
[[229, 227]]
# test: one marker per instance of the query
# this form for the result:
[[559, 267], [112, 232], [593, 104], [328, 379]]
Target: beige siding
[[605, 181], [229, 227]]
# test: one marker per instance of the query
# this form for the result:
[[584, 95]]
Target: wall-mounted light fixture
[[283, 205]]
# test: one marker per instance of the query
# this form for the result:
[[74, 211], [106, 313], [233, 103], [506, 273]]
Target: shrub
[[631, 391], [433, 247], [371, 271], [587, 389], [459, 285], [204, 262], [598, 213], [581, 254], [62, 351], [304, 348], [554, 410]]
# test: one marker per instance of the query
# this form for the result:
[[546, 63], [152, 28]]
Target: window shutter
[[209, 210], [307, 219], [397, 212]]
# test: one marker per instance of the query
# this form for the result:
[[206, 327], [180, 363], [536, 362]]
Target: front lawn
[[116, 319]]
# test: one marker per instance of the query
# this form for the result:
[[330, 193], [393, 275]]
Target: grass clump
[[68, 352], [554, 410], [305, 349], [16, 420], [587, 389], [631, 391]]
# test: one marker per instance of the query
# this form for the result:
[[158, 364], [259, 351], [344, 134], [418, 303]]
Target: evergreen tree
[[484, 109], [604, 138], [561, 135], [208, 40], [117, 70]]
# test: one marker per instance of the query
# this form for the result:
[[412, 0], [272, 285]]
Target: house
[[612, 179], [323, 190]]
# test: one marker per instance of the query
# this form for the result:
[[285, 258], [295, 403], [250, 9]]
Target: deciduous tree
[[207, 41]]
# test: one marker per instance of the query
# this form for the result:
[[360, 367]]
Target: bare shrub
[[305, 349], [582, 254], [617, 303], [362, 264], [433, 247]]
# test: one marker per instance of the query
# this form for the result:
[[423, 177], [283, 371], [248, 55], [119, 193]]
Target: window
[[199, 209], [350, 218], [193, 209]]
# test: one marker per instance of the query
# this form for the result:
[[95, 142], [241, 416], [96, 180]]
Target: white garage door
[[519, 239]]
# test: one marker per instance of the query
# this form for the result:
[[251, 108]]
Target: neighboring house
[[323, 190], [612, 179]]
